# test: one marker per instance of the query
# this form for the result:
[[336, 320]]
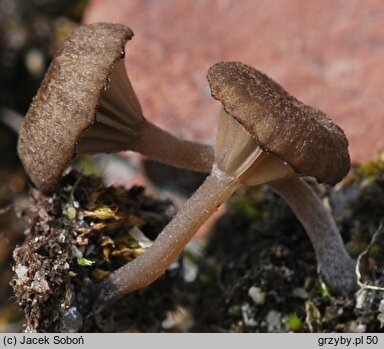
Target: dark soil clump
[[77, 237]]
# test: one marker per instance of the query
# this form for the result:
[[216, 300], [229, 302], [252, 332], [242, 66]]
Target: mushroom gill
[[264, 136]]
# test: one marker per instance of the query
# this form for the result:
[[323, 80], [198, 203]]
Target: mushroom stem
[[162, 146], [334, 263], [146, 268]]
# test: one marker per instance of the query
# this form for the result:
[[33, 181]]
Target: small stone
[[22, 274], [257, 295], [273, 320], [178, 320], [357, 327], [35, 62], [72, 320], [39, 283], [76, 252], [300, 292], [189, 270], [61, 238], [71, 213], [380, 317], [66, 266], [360, 298], [248, 317]]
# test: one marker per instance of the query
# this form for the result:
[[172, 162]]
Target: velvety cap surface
[[66, 102], [299, 134]]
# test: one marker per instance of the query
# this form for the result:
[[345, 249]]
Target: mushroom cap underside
[[299, 134], [65, 105]]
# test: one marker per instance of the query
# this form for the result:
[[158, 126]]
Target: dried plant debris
[[77, 237]]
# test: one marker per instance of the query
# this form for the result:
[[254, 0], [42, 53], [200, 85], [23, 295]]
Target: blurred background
[[329, 54]]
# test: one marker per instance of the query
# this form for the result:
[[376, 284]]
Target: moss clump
[[372, 168], [294, 323]]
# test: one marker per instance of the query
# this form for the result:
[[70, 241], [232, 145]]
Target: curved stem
[[146, 268], [334, 262], [162, 146]]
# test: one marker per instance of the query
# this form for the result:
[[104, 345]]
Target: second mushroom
[[265, 136]]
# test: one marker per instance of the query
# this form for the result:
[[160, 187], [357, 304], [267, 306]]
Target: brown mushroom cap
[[66, 102], [300, 135]]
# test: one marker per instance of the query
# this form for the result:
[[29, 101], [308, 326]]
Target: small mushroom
[[264, 136], [86, 105]]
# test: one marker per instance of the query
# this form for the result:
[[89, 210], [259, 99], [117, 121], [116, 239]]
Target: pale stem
[[162, 146], [216, 189], [336, 266], [149, 140]]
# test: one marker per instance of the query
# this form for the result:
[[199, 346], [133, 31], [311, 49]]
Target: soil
[[77, 237], [255, 273]]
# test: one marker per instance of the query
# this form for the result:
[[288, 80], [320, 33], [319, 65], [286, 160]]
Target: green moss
[[84, 262], [294, 323], [89, 167], [372, 168], [207, 280], [376, 248], [247, 208], [354, 248]]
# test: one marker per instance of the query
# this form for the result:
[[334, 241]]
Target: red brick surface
[[329, 54]]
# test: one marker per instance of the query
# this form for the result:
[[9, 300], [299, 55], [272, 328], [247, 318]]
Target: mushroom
[[86, 105], [264, 136]]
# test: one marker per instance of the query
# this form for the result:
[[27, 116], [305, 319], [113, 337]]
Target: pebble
[[257, 295], [300, 293], [72, 320], [22, 274], [273, 321]]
